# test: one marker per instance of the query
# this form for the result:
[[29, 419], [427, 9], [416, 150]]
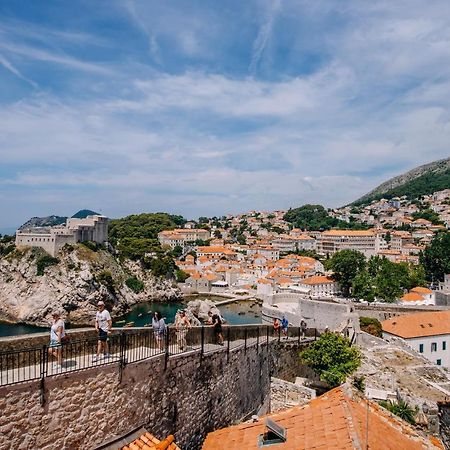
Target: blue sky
[[214, 107]]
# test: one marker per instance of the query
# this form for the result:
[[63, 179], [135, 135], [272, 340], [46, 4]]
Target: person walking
[[276, 325], [284, 326], [303, 328], [159, 328], [216, 322], [103, 325], [57, 334], [182, 325]]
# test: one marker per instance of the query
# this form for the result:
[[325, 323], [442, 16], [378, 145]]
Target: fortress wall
[[190, 398]]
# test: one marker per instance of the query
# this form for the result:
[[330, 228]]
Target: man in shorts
[[103, 324]]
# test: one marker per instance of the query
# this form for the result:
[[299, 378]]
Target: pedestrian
[[303, 328], [276, 325], [284, 326], [216, 322], [182, 325], [57, 334], [159, 328], [103, 325]]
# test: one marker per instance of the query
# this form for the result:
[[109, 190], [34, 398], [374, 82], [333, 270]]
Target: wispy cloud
[[7, 65], [264, 33]]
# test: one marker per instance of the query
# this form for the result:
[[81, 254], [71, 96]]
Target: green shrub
[[91, 245], [332, 358], [371, 326], [181, 276], [401, 409], [135, 284], [359, 383], [106, 279], [43, 262]]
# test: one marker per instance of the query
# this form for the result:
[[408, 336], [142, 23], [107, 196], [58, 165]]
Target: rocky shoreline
[[74, 284]]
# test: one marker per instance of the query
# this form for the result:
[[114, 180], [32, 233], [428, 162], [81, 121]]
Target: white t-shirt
[[102, 319], [54, 330]]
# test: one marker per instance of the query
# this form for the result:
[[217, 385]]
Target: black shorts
[[102, 335], [217, 329]]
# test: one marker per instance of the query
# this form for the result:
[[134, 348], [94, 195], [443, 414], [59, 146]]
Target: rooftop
[[335, 420], [418, 325]]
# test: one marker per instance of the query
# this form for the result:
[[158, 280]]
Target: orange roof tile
[[348, 233], [412, 297], [318, 279], [335, 420], [421, 290], [149, 442], [418, 325]]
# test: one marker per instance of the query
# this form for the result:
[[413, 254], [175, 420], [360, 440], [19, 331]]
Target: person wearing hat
[[57, 333], [103, 324]]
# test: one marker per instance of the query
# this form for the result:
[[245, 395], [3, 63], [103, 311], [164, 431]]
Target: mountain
[[422, 180], [83, 213], [49, 221]]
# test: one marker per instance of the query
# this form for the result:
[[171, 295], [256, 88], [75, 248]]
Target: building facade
[[53, 239]]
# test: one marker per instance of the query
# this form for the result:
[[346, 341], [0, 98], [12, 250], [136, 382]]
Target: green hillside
[[423, 180]]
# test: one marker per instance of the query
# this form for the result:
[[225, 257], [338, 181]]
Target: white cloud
[[7, 65]]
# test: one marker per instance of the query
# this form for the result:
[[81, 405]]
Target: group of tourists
[[282, 327], [103, 326]]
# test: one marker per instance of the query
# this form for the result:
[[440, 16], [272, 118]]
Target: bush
[[135, 284], [401, 409], [181, 276], [359, 383], [43, 262], [332, 358], [91, 245], [106, 279], [371, 326]]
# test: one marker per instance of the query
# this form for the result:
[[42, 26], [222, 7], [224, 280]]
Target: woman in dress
[[57, 333], [182, 325]]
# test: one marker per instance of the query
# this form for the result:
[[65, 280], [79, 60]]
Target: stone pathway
[[73, 363]]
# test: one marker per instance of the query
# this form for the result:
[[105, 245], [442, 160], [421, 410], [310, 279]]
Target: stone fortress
[[52, 239]]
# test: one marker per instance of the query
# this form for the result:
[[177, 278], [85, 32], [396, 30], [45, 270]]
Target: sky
[[210, 107]]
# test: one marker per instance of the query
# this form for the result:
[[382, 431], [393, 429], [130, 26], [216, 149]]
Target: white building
[[52, 240], [428, 333], [320, 286], [182, 236]]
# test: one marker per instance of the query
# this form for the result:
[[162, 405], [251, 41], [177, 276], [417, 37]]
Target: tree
[[177, 251], [332, 358], [346, 264], [436, 257]]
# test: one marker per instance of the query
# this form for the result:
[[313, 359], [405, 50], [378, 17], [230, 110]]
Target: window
[[421, 348], [439, 362], [444, 345], [434, 347]]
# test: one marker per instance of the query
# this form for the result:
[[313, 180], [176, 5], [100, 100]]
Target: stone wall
[[189, 398], [444, 422]]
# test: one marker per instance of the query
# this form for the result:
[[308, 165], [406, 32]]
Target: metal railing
[[132, 345]]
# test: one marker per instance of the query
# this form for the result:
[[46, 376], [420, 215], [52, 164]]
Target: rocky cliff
[[32, 285]]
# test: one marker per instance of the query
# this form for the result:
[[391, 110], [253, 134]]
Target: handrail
[[132, 345]]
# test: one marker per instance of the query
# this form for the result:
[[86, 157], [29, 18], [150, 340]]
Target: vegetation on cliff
[[316, 217], [423, 180]]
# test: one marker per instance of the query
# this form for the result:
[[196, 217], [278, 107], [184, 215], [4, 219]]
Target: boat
[[120, 321], [128, 325]]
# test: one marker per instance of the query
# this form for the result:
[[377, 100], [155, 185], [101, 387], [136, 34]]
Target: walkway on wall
[[136, 345]]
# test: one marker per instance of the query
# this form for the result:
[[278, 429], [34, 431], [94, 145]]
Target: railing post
[[202, 348], [43, 374], [257, 340], [267, 334], [122, 360], [299, 334], [228, 343], [166, 352], [279, 334], [245, 339], [315, 334]]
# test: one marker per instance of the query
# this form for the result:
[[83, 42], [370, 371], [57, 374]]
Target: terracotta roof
[[416, 325], [149, 442], [412, 297], [335, 420], [421, 290], [318, 279]]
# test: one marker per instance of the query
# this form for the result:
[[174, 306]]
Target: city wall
[[192, 396]]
